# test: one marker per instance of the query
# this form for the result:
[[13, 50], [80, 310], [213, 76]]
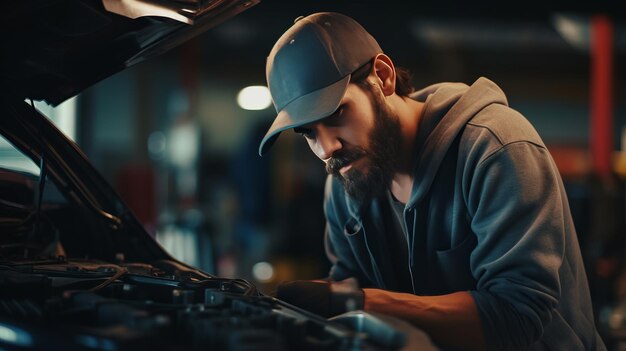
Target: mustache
[[342, 159]]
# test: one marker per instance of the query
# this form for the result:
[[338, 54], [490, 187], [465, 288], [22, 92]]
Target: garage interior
[[170, 136]]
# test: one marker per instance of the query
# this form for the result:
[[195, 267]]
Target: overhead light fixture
[[256, 97]]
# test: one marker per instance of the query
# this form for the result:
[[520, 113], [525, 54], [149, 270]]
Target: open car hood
[[54, 49], [77, 269]]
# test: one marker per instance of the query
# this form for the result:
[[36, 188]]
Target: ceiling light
[[254, 97]]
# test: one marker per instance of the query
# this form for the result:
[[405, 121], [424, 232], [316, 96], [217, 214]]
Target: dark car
[[77, 269]]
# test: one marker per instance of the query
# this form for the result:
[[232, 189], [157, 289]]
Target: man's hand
[[325, 298]]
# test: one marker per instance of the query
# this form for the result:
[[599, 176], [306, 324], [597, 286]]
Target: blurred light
[[488, 34], [574, 30], [263, 271], [255, 97], [180, 242], [15, 336], [183, 145], [156, 145]]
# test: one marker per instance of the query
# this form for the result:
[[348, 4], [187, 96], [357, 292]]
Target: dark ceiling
[[441, 41]]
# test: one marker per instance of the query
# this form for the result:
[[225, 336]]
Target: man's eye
[[335, 118], [305, 132]]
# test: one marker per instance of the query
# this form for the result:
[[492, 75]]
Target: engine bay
[[78, 304]]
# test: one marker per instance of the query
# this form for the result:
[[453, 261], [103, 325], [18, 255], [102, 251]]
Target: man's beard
[[381, 157]]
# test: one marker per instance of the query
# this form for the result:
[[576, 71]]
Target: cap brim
[[304, 110]]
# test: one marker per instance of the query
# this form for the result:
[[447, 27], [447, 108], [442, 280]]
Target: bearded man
[[443, 204]]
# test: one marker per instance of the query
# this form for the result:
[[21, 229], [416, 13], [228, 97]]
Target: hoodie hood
[[449, 106]]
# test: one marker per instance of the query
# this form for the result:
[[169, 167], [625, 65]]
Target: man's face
[[359, 143]]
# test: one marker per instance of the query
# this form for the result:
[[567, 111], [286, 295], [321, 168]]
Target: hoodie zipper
[[374, 263], [409, 245]]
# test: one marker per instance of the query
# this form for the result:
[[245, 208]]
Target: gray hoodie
[[488, 214]]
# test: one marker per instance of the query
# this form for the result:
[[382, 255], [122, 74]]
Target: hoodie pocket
[[454, 265]]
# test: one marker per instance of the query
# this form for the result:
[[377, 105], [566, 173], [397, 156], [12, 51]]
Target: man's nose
[[327, 143]]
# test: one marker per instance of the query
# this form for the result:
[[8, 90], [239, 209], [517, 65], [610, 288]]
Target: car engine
[[80, 304]]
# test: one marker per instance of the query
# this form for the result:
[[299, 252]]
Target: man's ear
[[386, 73]]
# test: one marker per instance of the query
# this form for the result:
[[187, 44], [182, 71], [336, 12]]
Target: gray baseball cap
[[309, 68]]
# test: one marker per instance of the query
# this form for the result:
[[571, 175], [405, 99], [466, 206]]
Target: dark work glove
[[324, 298]]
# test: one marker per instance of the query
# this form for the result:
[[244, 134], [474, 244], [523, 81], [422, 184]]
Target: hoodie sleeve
[[518, 208]]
